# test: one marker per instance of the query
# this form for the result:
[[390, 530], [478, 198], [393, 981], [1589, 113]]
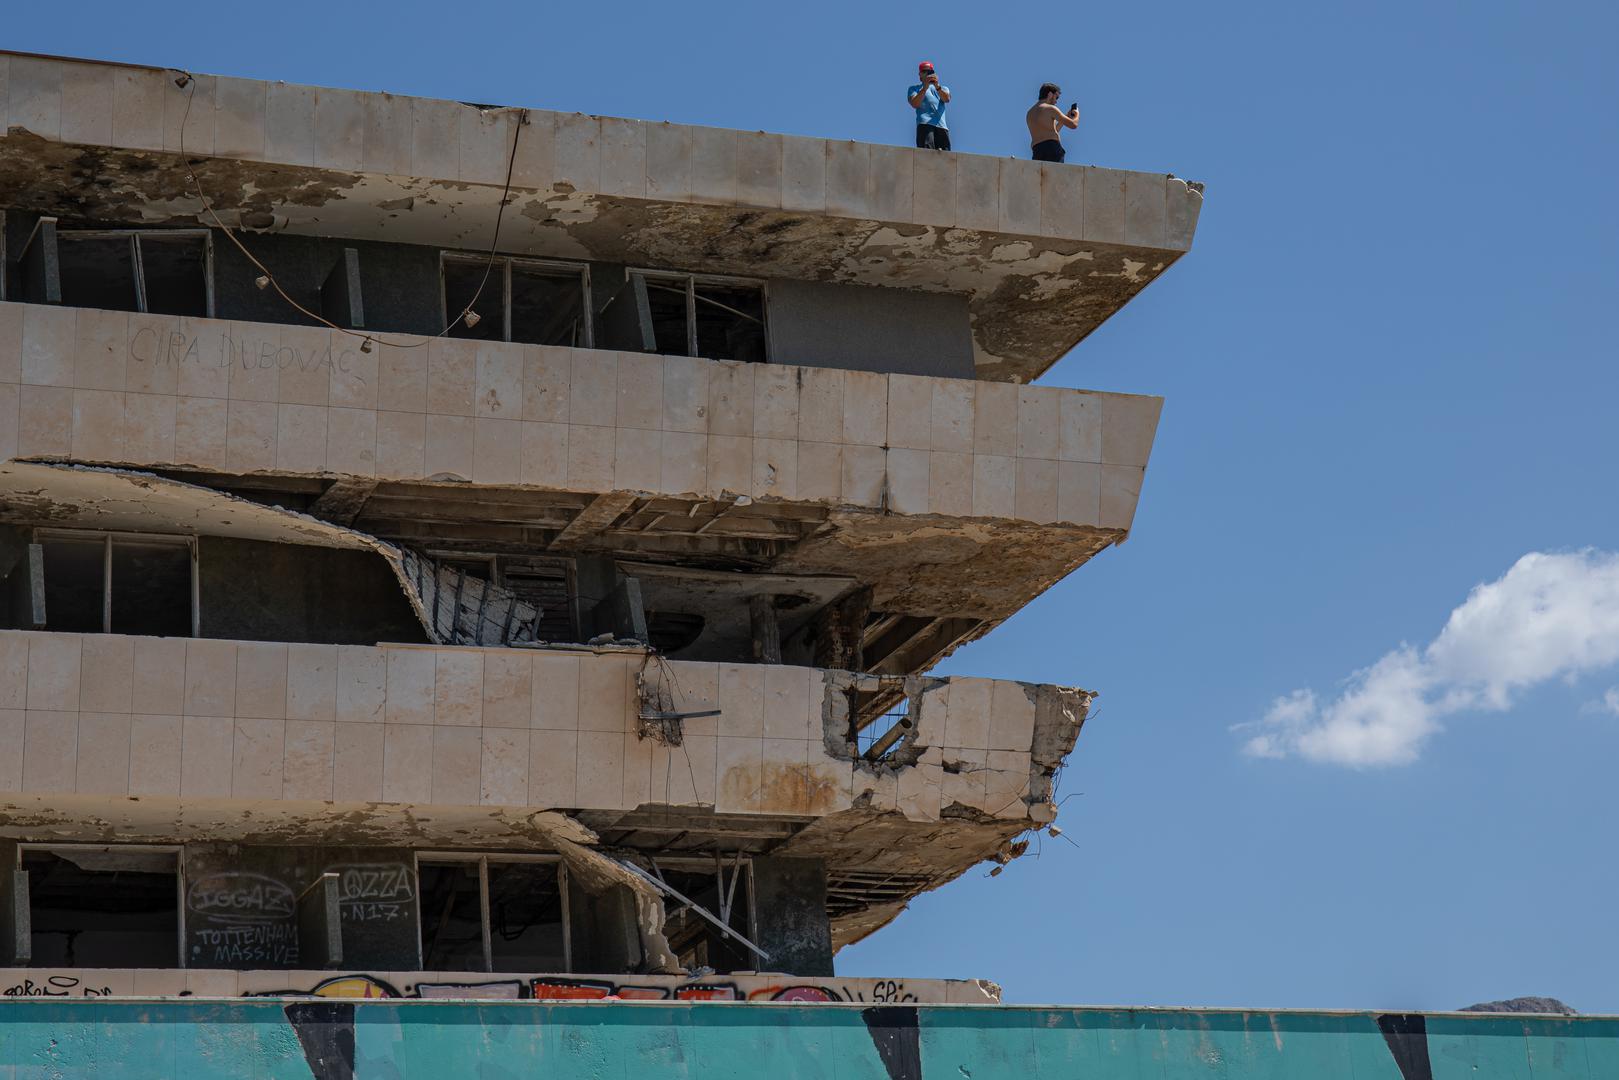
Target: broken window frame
[[483, 861], [109, 538], [498, 566], [504, 265], [56, 235], [652, 867], [176, 850], [690, 283]]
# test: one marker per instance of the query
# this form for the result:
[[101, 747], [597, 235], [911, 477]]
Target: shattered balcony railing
[[161, 392], [151, 722]]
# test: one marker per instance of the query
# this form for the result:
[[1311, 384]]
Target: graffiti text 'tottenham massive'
[[215, 351]]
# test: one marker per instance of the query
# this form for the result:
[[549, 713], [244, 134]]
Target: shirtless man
[[1046, 121]]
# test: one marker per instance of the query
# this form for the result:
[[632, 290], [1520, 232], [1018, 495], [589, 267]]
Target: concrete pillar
[[789, 898]]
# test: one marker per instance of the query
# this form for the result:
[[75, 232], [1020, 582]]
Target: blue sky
[[1389, 365]]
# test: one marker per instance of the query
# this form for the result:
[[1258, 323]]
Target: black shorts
[[1049, 150], [929, 137]]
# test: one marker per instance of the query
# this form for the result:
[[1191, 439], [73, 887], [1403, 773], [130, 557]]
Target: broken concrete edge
[[598, 873]]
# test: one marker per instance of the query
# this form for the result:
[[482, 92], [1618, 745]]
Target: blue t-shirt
[[931, 111]]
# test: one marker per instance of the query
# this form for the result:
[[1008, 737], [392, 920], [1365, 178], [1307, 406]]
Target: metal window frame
[[177, 850], [134, 236], [692, 280], [108, 537], [500, 562], [506, 264], [483, 859], [740, 861]]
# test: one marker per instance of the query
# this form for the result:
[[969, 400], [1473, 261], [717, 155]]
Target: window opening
[[524, 300], [882, 736], [167, 272], [725, 890], [699, 315], [119, 583], [546, 584], [110, 907], [480, 913]]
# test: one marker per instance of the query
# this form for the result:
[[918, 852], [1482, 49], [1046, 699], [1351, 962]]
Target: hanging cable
[[188, 83]]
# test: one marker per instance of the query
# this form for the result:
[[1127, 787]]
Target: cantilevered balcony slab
[[947, 496], [1045, 252]]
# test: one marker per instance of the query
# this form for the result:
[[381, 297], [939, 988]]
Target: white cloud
[[1609, 702], [1551, 616]]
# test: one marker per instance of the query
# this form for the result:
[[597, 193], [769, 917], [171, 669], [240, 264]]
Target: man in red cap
[[929, 98]]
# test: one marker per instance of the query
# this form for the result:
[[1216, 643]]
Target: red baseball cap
[[926, 65]]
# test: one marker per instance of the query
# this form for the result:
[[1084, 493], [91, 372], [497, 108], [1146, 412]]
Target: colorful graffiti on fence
[[549, 988]]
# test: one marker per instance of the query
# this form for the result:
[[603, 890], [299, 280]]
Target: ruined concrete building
[[449, 550]]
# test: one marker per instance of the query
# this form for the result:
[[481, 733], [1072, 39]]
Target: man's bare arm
[[1070, 119], [944, 95], [916, 98]]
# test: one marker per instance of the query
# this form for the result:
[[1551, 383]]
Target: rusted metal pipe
[[887, 739]]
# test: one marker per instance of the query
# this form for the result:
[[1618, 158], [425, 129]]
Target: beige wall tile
[[339, 129], [1121, 487], [385, 147], [351, 442], [50, 751], [54, 664], [362, 681], [201, 428], [668, 162], [137, 108], [713, 166], [697, 689], [933, 186], [289, 123], [591, 455], [775, 468], [36, 96], [507, 689], [533, 157], [202, 352], [637, 771], [820, 405], [775, 401], [1145, 212], [484, 138], [951, 421], [301, 438], [963, 783], [1079, 425], [1128, 426], [741, 700], [1104, 205], [353, 378], [638, 460], [578, 151], [545, 454], [731, 398], [556, 692], [593, 389], [640, 391], [820, 472], [210, 678], [458, 688], [1079, 492], [250, 436], [1038, 415], [13, 669], [968, 712], [401, 445], [457, 765], [159, 675], [252, 370], [730, 464], [449, 450], [149, 428], [206, 756], [848, 179], [918, 792], [758, 169], [154, 755], [499, 392], [994, 486], [258, 757], [305, 357], [10, 418], [497, 451], [1036, 490], [147, 368], [1006, 784], [311, 751], [803, 172], [828, 782], [785, 703], [1020, 196], [1183, 203], [504, 771], [410, 686], [891, 182], [407, 763], [87, 103], [45, 426], [739, 772], [910, 412], [908, 481], [1011, 725], [684, 775], [402, 378], [604, 693], [98, 425], [48, 344], [553, 761], [1062, 201], [435, 138], [623, 157], [684, 464], [107, 666], [978, 192], [452, 376], [599, 779], [950, 484], [865, 472], [311, 682], [261, 679], [358, 761], [685, 394], [101, 349], [239, 108], [103, 754]]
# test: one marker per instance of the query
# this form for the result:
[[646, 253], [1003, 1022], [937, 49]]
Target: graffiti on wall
[[55, 986], [175, 348], [241, 919], [550, 988], [374, 892]]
